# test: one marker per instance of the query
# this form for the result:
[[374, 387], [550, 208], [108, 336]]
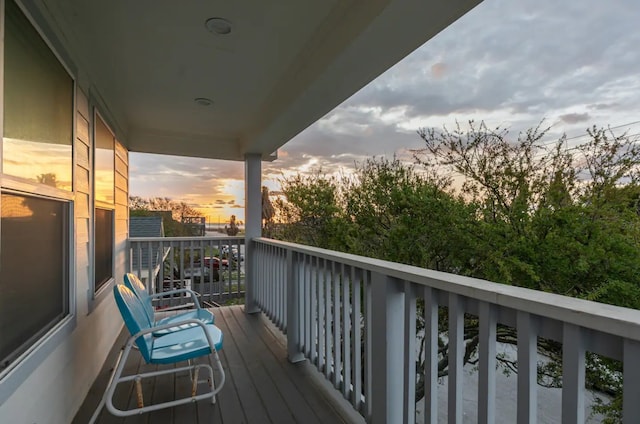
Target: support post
[[387, 350], [487, 358], [573, 374], [253, 226], [294, 353], [527, 368], [631, 382]]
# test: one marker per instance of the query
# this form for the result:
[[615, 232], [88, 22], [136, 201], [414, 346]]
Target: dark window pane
[[104, 246], [38, 106], [104, 163], [33, 270]]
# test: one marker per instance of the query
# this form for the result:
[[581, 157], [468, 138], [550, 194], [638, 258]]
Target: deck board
[[261, 385]]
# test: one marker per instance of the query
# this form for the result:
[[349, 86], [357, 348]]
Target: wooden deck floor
[[261, 385]]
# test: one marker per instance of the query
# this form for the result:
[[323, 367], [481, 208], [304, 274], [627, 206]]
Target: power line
[[587, 134]]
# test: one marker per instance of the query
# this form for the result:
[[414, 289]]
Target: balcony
[[261, 385], [353, 320]]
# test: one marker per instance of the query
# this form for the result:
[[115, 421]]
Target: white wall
[[54, 391]]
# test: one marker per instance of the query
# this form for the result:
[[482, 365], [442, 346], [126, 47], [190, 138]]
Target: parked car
[[217, 262]]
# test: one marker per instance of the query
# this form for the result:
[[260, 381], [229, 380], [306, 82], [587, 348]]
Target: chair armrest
[[193, 294]]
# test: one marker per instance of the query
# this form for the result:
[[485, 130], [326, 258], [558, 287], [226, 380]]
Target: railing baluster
[[271, 284], [321, 317], [573, 374], [357, 343], [487, 364], [293, 319], [456, 356], [409, 353], [337, 309], [308, 306], [346, 331], [631, 380], [285, 286], [527, 369], [276, 286], [314, 311], [368, 345], [431, 356], [328, 283], [266, 277], [182, 278], [299, 264], [150, 283]]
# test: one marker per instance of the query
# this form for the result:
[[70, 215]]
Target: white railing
[[211, 266], [354, 318]]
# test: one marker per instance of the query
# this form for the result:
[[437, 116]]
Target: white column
[[252, 224]]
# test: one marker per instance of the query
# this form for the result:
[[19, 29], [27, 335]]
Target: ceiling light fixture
[[203, 101], [218, 26]]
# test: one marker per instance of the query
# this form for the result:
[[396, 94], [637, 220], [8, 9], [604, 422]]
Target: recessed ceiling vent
[[218, 26], [203, 101]]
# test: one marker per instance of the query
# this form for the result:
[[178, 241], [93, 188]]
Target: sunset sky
[[573, 63]]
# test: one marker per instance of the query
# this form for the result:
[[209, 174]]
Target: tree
[[310, 211], [170, 210], [49, 179], [268, 211], [232, 230], [178, 209]]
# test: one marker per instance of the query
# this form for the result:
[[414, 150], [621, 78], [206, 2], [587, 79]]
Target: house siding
[[54, 391], [121, 257]]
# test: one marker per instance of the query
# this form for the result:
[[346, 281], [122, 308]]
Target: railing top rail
[[189, 238], [615, 320]]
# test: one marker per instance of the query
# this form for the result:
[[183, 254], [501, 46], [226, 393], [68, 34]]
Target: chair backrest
[[135, 318], [134, 284]]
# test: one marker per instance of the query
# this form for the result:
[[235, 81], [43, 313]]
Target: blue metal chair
[[134, 284], [201, 340]]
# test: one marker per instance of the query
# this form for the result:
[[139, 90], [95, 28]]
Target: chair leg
[[212, 382], [222, 375], [96, 413]]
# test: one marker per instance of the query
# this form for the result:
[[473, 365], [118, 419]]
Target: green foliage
[[311, 211], [397, 214]]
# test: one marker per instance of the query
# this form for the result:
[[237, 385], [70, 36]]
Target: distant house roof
[[146, 226]]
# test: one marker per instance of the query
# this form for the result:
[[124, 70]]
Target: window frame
[[47, 340], [101, 292]]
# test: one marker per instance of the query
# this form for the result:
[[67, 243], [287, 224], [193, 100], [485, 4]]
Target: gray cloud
[[573, 118]]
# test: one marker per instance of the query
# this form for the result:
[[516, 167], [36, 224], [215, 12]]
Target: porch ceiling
[[285, 64]]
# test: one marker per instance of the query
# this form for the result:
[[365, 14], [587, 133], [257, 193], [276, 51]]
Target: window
[[103, 189], [38, 112], [104, 246], [34, 246], [36, 158]]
